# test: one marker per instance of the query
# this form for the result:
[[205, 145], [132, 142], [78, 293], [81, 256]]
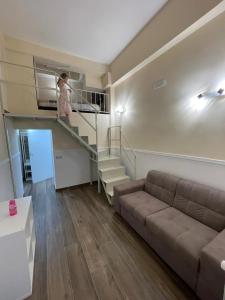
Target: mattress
[[52, 104]]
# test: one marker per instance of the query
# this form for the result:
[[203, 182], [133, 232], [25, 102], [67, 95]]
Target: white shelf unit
[[17, 250]]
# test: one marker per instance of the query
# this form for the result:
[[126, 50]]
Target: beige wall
[[164, 120], [3, 148], [19, 98], [61, 138], [92, 70], [176, 16], [22, 99]]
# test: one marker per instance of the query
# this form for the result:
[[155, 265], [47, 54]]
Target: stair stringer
[[116, 180], [79, 138]]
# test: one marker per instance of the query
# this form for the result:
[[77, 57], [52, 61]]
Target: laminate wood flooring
[[85, 251]]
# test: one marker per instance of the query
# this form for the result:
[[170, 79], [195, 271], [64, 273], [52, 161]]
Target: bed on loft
[[82, 100], [82, 107]]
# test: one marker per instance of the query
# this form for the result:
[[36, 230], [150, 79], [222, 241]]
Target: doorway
[[37, 155]]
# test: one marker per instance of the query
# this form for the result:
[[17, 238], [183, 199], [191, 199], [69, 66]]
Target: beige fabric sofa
[[184, 222]]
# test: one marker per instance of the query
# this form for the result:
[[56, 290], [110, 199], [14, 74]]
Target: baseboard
[[76, 186]]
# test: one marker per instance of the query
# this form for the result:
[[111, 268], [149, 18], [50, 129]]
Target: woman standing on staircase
[[64, 97]]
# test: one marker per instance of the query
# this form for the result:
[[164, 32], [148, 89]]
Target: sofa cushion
[[139, 227], [140, 204], [211, 279], [126, 188], [178, 239], [161, 185], [202, 203]]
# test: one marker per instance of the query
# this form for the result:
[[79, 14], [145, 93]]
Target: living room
[[136, 206]]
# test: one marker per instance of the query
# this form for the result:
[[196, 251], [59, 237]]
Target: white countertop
[[8, 224]]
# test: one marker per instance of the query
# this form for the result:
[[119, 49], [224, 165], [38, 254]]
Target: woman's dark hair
[[62, 77]]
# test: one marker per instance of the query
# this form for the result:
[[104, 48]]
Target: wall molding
[[182, 156], [212, 14], [199, 169], [174, 155]]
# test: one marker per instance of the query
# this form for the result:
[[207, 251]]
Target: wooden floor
[[85, 251]]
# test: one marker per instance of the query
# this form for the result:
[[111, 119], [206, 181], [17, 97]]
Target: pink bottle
[[12, 207]]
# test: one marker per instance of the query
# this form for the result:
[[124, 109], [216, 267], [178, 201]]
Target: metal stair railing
[[36, 87], [124, 147], [76, 92], [57, 76]]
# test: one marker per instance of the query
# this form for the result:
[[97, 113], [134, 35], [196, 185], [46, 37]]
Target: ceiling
[[95, 29]]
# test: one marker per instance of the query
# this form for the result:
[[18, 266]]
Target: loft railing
[[77, 93], [98, 100], [95, 101], [124, 146]]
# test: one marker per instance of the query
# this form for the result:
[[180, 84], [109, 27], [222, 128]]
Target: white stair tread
[[115, 179], [108, 157], [111, 168]]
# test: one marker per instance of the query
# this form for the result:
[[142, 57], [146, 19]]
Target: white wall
[[71, 160], [202, 170], [72, 167]]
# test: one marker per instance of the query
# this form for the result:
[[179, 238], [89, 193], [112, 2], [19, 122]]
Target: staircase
[[83, 127], [110, 171]]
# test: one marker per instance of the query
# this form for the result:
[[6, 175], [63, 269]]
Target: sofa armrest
[[212, 277], [223, 265], [127, 188]]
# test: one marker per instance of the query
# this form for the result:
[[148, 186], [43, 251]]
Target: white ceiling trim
[[215, 12]]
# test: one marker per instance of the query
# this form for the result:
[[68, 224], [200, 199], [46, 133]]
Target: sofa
[[184, 222]]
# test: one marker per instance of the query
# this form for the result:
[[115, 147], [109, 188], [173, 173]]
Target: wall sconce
[[199, 102], [220, 91], [121, 110], [200, 96], [221, 88]]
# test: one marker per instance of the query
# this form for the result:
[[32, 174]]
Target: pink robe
[[64, 101]]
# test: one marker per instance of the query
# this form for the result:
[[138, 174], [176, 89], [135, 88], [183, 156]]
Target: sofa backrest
[[161, 185], [201, 202]]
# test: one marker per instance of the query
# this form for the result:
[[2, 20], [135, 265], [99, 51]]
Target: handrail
[[45, 88], [95, 128], [27, 85], [56, 75], [128, 144], [122, 146], [25, 66]]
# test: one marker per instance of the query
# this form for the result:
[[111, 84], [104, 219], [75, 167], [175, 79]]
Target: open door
[[41, 154]]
